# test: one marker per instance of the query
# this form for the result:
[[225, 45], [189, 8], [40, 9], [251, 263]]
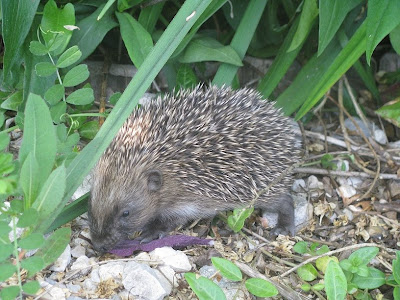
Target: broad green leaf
[[31, 287], [168, 42], [137, 40], [307, 272], [28, 218], [53, 22], [4, 231], [76, 75], [33, 264], [7, 270], [331, 16], [322, 262], [89, 129], [17, 17], [39, 136], [395, 39], [32, 241], [307, 17], [92, 31], [114, 98], [37, 48], [375, 279], [54, 94], [5, 251], [126, 4], [185, 77], [6, 163], [335, 282], [228, 269], [241, 40], [4, 140], [9, 292], [391, 112], [363, 256], [57, 111], [204, 288], [208, 49], [239, 215], [69, 57], [300, 247], [260, 287], [49, 198], [30, 179], [82, 96], [54, 245], [149, 16], [13, 102], [382, 18], [44, 69], [396, 293]]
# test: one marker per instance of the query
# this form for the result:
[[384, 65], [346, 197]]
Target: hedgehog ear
[[154, 180]]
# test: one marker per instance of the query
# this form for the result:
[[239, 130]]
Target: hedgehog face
[[123, 211]]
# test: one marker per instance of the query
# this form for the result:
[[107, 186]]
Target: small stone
[[112, 270], [313, 183], [168, 273], [144, 282], [299, 186], [342, 165], [355, 182], [78, 251], [89, 285], [380, 136], [176, 259], [82, 263], [53, 292], [73, 288], [143, 257], [74, 298], [346, 191], [63, 261]]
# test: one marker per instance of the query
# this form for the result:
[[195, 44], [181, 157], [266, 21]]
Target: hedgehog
[[190, 155]]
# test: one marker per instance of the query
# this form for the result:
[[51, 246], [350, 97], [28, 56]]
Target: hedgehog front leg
[[155, 229], [284, 207]]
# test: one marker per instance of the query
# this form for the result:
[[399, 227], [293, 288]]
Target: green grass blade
[[241, 40]]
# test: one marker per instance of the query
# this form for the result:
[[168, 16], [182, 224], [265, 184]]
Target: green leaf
[[69, 57], [54, 245], [396, 267], [204, 288], [228, 269], [31, 287], [17, 17], [54, 94], [32, 241], [81, 97], [396, 293], [185, 77], [260, 287], [335, 282], [44, 69], [39, 136], [89, 130], [331, 16], [13, 102], [33, 264], [149, 16], [363, 256], [49, 198], [6, 163], [114, 98], [37, 48], [28, 218], [239, 215], [395, 39], [391, 112], [375, 279], [208, 49], [7, 270], [307, 17], [92, 31], [16, 206], [9, 292], [53, 22], [382, 18], [4, 231], [30, 179], [307, 272], [76, 75], [137, 40], [5, 251], [322, 262], [300, 247], [57, 111], [4, 140]]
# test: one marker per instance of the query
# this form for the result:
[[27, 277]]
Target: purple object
[[127, 247]]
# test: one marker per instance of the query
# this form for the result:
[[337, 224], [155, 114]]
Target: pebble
[[63, 261], [82, 263], [176, 259], [78, 251]]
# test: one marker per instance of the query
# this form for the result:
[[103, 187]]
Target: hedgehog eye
[[125, 213]]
